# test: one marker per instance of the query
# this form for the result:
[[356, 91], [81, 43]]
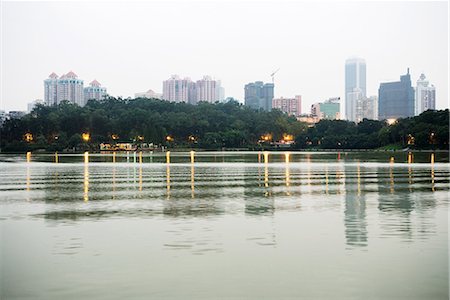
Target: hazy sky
[[131, 47]]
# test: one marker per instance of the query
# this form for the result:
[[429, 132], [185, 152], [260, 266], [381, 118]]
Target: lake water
[[225, 225]]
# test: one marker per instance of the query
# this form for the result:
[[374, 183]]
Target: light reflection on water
[[217, 205]]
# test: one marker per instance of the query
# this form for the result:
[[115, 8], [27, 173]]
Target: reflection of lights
[[391, 160], [168, 180], [286, 157], [86, 181], [192, 156], [266, 175], [86, 157], [28, 137], [259, 157], [432, 158], [28, 156], [114, 157], [140, 157], [140, 178], [339, 156], [391, 175], [28, 180], [56, 157], [432, 178], [192, 182], [288, 175], [168, 157], [86, 136], [266, 157], [410, 157]]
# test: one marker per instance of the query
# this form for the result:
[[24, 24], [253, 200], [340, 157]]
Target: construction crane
[[273, 75]]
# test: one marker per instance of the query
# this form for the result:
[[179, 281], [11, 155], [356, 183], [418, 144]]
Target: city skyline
[[234, 52]]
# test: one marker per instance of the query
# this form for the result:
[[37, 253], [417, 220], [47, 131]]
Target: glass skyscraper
[[355, 83], [396, 99]]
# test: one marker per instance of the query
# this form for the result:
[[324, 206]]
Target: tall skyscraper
[[396, 99], [51, 90], [425, 96], [176, 89], [355, 82], [94, 91], [259, 95], [291, 106], [70, 88]]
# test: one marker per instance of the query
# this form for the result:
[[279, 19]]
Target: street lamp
[[86, 136]]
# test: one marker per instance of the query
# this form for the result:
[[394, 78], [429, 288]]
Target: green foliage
[[213, 126]]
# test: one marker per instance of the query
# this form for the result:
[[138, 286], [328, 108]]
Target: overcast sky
[[131, 47]]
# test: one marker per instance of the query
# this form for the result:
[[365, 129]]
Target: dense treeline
[[208, 126]]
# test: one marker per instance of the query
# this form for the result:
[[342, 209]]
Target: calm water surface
[[225, 225]]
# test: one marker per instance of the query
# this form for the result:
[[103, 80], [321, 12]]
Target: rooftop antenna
[[273, 75]]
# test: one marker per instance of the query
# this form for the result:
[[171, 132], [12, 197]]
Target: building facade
[[51, 90], [94, 91], [150, 94], [396, 99], [425, 96], [367, 108], [209, 90], [176, 89], [259, 95], [355, 85], [70, 88], [32, 105], [329, 109], [291, 106]]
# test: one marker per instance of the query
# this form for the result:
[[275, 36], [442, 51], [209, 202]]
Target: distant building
[[367, 108], [353, 104], [425, 96], [3, 117], [259, 95], [150, 94], [291, 106], [355, 85], [51, 90], [310, 119], [94, 91], [396, 99], [208, 89], [176, 89], [70, 88], [330, 109], [16, 114], [33, 104]]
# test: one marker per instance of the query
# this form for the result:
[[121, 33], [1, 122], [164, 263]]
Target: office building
[[329, 109], [94, 91], [259, 95], [396, 99], [291, 106], [425, 96], [150, 94], [355, 85]]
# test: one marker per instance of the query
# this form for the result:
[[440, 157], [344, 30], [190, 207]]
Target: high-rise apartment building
[[176, 89], [259, 95], [355, 85], [94, 91], [33, 104], [207, 89], [425, 96], [70, 88], [51, 90], [291, 106], [396, 99]]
